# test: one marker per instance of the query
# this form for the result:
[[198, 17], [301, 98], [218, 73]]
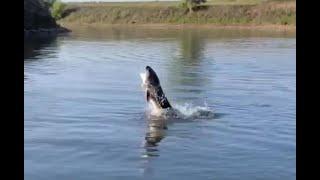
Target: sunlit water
[[86, 115]]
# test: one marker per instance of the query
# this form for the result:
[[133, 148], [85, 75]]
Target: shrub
[[57, 9]]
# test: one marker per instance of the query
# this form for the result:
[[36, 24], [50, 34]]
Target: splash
[[185, 111], [188, 110], [143, 78]]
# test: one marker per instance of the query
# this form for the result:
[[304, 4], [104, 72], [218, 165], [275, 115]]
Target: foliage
[[57, 9]]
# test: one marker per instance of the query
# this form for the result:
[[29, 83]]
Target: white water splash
[[182, 111], [143, 78], [188, 110]]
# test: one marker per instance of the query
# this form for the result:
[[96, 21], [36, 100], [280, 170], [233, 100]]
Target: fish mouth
[[146, 75], [151, 77], [148, 68]]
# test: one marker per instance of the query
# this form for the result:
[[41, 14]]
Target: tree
[[191, 4]]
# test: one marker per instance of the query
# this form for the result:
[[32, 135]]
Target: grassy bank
[[216, 12]]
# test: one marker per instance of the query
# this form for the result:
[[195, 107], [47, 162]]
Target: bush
[[57, 9]]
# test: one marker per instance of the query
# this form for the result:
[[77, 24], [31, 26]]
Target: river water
[[86, 115]]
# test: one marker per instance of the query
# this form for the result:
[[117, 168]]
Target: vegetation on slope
[[219, 12]]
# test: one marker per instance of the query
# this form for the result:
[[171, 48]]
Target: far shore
[[264, 15]]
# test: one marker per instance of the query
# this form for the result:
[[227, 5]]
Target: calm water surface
[[85, 111]]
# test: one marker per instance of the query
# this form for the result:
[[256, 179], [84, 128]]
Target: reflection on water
[[155, 131], [187, 68], [84, 107], [192, 47], [33, 47]]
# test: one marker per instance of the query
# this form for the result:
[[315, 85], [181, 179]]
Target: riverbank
[[249, 14]]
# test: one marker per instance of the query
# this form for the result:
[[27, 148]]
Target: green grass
[[166, 3], [220, 12]]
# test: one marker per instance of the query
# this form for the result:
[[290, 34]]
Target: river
[[86, 113]]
